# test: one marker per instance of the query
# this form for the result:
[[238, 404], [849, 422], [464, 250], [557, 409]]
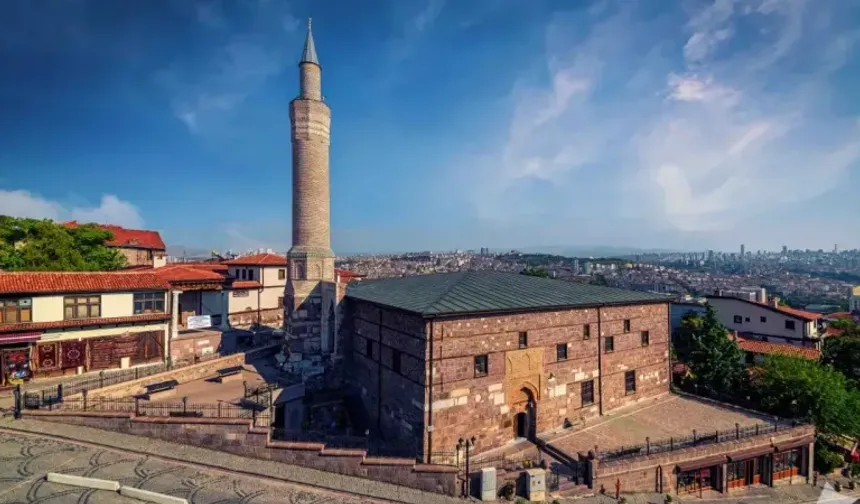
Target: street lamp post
[[468, 444]]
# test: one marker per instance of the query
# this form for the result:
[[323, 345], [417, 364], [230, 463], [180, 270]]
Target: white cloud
[[205, 91], [428, 15], [111, 210], [740, 134]]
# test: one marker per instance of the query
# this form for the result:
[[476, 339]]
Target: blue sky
[[500, 123]]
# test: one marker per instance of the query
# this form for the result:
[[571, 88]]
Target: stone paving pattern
[[662, 418], [208, 460], [25, 460]]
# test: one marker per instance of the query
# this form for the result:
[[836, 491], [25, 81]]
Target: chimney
[[762, 296], [774, 301]]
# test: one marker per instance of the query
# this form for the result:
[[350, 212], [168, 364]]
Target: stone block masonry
[[238, 437]]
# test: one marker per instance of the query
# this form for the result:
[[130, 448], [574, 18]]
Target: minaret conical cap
[[309, 55]]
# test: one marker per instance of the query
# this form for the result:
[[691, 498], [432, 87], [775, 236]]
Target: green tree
[[714, 359], [536, 272], [43, 245], [799, 388], [843, 351]]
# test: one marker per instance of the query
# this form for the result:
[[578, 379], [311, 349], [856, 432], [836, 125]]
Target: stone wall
[[273, 317], [182, 374], [463, 405], [195, 344], [238, 437], [642, 474], [393, 398]]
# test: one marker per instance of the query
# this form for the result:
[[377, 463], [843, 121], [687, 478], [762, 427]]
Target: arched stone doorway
[[525, 421]]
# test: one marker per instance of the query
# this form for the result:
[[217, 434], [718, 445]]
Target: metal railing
[[696, 439]]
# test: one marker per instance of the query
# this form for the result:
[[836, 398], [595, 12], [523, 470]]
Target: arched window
[[299, 271]]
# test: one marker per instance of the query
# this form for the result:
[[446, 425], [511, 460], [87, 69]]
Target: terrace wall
[[642, 474], [184, 374], [238, 437]]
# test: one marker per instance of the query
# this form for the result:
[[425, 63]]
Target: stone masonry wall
[[651, 362], [642, 474], [463, 405], [236, 436], [393, 398], [183, 374], [272, 317]]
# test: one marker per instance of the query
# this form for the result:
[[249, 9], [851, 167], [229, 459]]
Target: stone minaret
[[310, 301]]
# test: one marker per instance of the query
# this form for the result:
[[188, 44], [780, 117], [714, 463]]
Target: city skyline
[[444, 136]]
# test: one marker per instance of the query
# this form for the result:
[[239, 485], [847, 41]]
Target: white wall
[[774, 324], [116, 304]]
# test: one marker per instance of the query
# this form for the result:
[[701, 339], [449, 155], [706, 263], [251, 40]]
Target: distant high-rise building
[[836, 248], [785, 249], [742, 250], [576, 266], [710, 256]]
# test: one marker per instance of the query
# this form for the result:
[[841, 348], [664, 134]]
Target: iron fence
[[142, 407], [696, 439]]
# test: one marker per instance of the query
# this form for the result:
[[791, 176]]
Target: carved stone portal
[[523, 370]]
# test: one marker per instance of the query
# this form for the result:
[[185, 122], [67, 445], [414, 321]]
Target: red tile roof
[[840, 316], [799, 313], [60, 324], [35, 282], [183, 273], [348, 275], [258, 260], [769, 348], [129, 238], [245, 284]]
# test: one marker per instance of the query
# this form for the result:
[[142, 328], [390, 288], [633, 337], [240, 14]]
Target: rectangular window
[[645, 337], [588, 392], [282, 274], [81, 307], [626, 325], [738, 319], [280, 301], [250, 274], [395, 361], [763, 319], [561, 351], [789, 324], [481, 365], [524, 340], [609, 344], [242, 274], [14, 311], [746, 319], [148, 302], [630, 382], [586, 331], [368, 348]]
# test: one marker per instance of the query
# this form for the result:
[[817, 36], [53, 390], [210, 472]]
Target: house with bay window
[[65, 323]]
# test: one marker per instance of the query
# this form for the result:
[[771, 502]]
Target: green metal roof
[[487, 291]]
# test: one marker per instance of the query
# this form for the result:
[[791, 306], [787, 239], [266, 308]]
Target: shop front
[[698, 476], [16, 353], [750, 468], [791, 459]]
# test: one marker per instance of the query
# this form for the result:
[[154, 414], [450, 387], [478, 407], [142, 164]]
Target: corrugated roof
[[32, 282], [488, 291]]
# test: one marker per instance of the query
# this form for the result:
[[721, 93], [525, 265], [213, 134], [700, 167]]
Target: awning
[[751, 453], [29, 337], [701, 463], [796, 443]]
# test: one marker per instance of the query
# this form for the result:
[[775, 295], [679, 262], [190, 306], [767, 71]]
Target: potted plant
[[508, 491], [667, 499]]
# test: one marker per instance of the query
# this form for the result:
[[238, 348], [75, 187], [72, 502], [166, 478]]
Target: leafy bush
[[826, 461]]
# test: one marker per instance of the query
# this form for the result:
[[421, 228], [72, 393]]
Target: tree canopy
[[843, 351], [714, 359], [44, 245], [536, 272], [799, 388]]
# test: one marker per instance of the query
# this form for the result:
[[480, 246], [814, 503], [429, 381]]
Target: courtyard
[[659, 419]]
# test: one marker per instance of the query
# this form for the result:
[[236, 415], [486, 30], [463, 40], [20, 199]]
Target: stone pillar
[[810, 456], [174, 314], [724, 478], [225, 311]]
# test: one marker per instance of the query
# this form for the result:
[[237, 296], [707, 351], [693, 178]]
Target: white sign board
[[199, 322]]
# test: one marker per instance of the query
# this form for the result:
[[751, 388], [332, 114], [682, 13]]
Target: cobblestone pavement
[[25, 460]]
